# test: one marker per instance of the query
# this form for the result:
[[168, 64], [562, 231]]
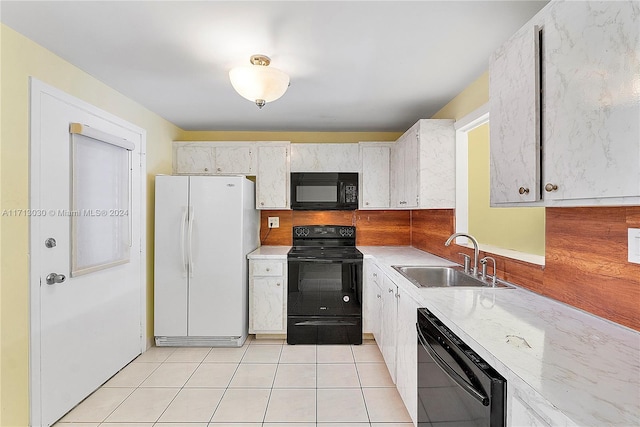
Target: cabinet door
[[396, 178], [523, 415], [194, 160], [268, 302], [374, 177], [411, 169], [591, 135], [272, 179], [406, 355], [372, 299], [514, 104], [234, 160], [389, 323], [436, 144]]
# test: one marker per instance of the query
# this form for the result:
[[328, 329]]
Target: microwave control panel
[[351, 193]]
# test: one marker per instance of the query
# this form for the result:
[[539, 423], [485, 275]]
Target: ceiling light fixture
[[259, 82]]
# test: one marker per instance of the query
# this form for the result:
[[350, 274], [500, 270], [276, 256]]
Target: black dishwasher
[[456, 387]]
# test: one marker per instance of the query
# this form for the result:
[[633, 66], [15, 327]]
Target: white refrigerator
[[204, 228]]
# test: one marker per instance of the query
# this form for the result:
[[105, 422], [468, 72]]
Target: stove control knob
[[346, 232], [302, 231], [345, 298]]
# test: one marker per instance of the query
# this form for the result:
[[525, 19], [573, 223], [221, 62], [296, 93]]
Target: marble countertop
[[585, 369], [270, 252]]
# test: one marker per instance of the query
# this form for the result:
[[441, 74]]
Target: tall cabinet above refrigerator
[[204, 228]]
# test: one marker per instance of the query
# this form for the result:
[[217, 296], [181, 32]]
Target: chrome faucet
[[484, 261], [476, 251]]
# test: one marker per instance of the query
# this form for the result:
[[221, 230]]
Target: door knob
[[53, 278]]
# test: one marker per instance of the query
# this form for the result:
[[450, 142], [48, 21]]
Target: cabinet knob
[[261, 203], [550, 187], [268, 269], [278, 284], [390, 290], [219, 169], [366, 203], [378, 295], [523, 190], [206, 169]]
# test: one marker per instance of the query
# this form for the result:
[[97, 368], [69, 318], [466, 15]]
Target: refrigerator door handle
[[191, 219], [183, 226]]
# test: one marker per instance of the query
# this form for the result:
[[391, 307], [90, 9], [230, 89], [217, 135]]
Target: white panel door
[[268, 297], [591, 128], [215, 282], [86, 328], [389, 325], [272, 180], [170, 266], [515, 119], [374, 177]]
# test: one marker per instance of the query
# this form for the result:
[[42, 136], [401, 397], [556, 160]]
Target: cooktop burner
[[324, 242]]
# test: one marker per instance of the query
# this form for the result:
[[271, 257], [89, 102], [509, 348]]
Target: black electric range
[[324, 302]]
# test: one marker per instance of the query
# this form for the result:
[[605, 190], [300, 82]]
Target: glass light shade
[[259, 82]]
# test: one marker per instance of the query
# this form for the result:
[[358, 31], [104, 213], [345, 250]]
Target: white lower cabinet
[[523, 415], [391, 315], [388, 328], [267, 297], [372, 300], [407, 353]]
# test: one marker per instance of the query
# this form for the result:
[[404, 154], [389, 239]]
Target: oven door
[[324, 287], [324, 304]]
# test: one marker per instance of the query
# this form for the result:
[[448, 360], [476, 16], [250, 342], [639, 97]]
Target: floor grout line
[[293, 359]]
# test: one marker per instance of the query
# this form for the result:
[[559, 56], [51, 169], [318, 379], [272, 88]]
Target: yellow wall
[[473, 97], [518, 229], [21, 58]]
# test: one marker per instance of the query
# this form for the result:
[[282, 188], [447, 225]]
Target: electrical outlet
[[274, 222], [634, 245]]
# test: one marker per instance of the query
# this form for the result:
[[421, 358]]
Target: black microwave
[[324, 191]]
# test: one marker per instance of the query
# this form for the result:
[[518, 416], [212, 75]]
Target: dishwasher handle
[[468, 387]]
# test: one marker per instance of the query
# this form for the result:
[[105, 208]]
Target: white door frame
[[36, 89]]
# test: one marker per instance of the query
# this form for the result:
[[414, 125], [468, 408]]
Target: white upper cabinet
[[515, 118], [273, 176], [591, 133], [193, 159], [214, 158], [342, 157], [235, 159], [405, 170], [374, 175], [585, 117], [423, 166]]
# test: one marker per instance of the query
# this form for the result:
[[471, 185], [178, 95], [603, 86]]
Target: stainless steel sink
[[443, 277]]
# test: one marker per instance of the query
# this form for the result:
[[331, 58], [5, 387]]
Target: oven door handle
[[325, 261], [468, 387]]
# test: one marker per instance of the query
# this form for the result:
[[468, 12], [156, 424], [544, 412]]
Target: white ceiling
[[354, 65]]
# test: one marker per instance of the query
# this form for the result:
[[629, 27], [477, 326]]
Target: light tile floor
[[264, 383]]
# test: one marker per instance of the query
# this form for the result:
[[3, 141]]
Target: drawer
[[268, 268]]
